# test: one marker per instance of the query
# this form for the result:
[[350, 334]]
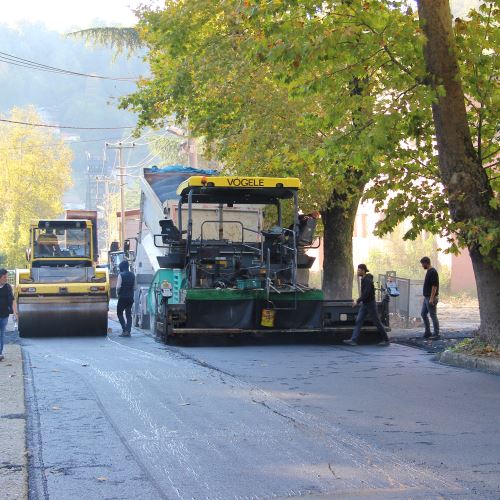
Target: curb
[[471, 362], [13, 457]]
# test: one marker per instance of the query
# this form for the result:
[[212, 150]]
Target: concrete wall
[[462, 274]]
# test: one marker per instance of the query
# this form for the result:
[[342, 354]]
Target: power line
[[66, 143], [26, 63], [45, 125]]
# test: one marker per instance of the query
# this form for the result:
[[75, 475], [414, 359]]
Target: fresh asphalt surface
[[128, 418]]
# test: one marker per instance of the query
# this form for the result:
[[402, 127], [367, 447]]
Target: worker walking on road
[[431, 294], [368, 308], [7, 306], [125, 286]]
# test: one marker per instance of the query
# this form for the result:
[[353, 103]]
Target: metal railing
[[399, 306]]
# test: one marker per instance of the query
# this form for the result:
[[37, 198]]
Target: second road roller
[[63, 292]]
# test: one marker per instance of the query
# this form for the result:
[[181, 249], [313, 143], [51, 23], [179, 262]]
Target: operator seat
[[169, 231]]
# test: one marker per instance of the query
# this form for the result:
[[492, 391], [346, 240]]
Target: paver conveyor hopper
[[63, 292]]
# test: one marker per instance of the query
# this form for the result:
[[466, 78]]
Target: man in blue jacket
[[368, 308], [125, 286]]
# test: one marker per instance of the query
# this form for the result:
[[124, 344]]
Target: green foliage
[[227, 70], [335, 92], [122, 40], [169, 149], [412, 174], [478, 347]]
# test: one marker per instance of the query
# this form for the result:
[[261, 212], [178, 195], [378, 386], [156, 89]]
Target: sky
[[62, 15]]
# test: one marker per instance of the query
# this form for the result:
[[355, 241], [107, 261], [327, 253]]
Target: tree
[[35, 173], [122, 40], [472, 201], [280, 89]]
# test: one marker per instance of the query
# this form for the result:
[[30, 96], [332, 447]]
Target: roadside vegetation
[[477, 347]]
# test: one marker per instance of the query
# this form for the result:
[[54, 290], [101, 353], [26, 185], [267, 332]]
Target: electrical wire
[[27, 63], [72, 127], [48, 144], [147, 160], [144, 136]]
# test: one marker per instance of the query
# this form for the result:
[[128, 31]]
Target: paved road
[[114, 418]]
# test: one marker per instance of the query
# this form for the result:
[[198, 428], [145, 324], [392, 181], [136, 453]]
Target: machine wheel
[[56, 316], [169, 338], [23, 335], [233, 339], [153, 325]]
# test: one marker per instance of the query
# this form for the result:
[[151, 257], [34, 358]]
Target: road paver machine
[[63, 292], [226, 276]]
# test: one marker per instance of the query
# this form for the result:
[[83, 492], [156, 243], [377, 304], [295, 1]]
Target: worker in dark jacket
[[7, 306], [368, 308], [125, 286]]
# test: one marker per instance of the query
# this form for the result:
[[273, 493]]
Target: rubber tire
[[169, 338], [23, 335]]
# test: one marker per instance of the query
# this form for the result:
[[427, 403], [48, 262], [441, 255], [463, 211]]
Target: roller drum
[[63, 316]]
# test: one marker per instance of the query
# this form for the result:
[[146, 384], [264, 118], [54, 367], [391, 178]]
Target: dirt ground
[[458, 319]]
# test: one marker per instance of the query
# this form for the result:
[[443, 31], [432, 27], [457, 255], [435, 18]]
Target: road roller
[[63, 292]]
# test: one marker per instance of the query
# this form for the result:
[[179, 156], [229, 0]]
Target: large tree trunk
[[338, 272], [488, 293], [461, 172]]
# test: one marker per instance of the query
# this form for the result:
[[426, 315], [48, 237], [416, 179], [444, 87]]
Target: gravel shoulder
[[13, 458]]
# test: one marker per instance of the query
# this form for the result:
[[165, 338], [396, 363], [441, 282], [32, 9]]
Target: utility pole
[[120, 147], [106, 206]]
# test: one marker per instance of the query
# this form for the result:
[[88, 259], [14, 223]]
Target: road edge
[[461, 360], [13, 417]]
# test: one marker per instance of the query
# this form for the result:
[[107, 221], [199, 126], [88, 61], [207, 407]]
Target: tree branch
[[409, 89], [491, 165], [489, 155], [350, 66], [471, 103], [401, 66]]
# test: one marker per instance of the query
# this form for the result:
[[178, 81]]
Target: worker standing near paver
[[368, 308], [431, 296], [7, 306], [125, 285]]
